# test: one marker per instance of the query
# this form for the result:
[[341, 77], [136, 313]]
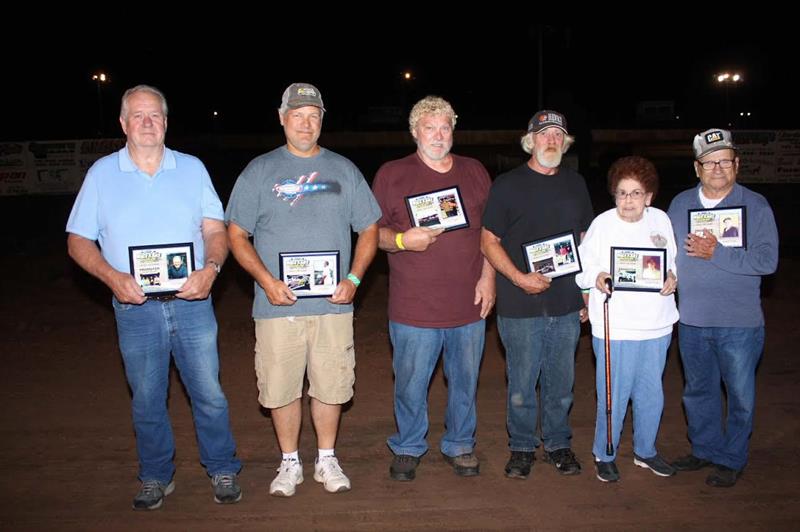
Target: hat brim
[[304, 104], [713, 149], [547, 127]]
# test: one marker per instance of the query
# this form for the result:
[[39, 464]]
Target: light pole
[[100, 78], [408, 79], [726, 79]]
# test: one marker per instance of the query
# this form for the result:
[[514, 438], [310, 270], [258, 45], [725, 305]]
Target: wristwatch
[[217, 267]]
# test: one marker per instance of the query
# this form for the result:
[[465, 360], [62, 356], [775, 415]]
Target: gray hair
[[526, 141], [123, 111]]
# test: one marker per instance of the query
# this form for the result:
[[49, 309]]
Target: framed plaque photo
[[638, 269], [728, 224], [310, 273], [161, 269], [553, 256], [438, 208]]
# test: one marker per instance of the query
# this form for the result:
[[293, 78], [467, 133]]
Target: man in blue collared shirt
[[721, 331], [149, 195]]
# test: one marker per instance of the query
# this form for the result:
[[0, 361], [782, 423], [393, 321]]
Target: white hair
[[526, 141], [123, 111]]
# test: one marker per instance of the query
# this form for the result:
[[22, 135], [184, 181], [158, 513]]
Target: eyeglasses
[[635, 194], [723, 163]]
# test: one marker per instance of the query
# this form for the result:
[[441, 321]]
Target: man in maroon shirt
[[440, 286]]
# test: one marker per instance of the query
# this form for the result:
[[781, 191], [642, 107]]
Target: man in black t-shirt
[[538, 316]]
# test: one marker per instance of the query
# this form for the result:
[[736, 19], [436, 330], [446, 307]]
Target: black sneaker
[[465, 465], [656, 464], [607, 471], [690, 463], [723, 477], [564, 460], [520, 464], [151, 495], [226, 488], [404, 467]]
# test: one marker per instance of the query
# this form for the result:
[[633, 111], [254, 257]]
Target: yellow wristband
[[398, 239]]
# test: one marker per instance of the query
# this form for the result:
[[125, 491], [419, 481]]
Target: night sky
[[596, 74]]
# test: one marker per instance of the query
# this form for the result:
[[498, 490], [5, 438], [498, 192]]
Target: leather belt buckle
[[165, 297]]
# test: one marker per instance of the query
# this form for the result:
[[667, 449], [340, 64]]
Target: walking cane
[[609, 445]]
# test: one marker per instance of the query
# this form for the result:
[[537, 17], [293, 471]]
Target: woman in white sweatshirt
[[640, 322]]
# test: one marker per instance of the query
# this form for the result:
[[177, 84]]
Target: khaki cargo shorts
[[288, 348]]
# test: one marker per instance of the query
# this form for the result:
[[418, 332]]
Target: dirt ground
[[68, 458]]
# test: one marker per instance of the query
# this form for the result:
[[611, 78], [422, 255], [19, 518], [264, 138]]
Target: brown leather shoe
[[465, 465]]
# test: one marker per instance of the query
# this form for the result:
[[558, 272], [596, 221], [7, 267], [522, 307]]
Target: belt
[[165, 297]]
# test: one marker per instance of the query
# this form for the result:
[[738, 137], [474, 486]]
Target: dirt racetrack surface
[[69, 462]]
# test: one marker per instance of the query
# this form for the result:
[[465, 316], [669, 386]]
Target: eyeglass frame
[[633, 194], [721, 163]]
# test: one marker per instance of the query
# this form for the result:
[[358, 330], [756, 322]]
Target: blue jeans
[[637, 367], [147, 335], [539, 349], [729, 354], [416, 352]]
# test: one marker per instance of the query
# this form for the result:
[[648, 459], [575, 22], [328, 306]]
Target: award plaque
[[161, 269], [438, 208], [638, 269], [553, 256], [728, 224], [310, 273]]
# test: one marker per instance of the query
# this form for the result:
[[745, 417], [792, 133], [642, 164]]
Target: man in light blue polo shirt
[[147, 195]]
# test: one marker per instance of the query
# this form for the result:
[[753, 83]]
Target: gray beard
[[549, 161]]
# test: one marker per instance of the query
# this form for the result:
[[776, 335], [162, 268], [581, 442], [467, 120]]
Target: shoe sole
[[231, 501], [548, 460], [168, 490], [280, 493], [606, 480], [645, 466], [601, 479], [402, 477], [462, 471], [518, 476], [340, 489], [716, 482], [691, 468]]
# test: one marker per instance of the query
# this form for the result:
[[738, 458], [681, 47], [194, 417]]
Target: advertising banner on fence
[[768, 156], [49, 167]]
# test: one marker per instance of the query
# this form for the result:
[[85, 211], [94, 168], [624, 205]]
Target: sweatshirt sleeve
[[590, 252], [760, 257]]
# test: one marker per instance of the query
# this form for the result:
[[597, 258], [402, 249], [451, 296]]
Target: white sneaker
[[290, 474], [328, 471]]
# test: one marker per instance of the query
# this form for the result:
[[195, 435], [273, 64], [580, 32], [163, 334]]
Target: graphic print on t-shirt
[[292, 190]]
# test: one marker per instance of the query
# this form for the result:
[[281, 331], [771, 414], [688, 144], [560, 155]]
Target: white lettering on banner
[[49, 167]]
